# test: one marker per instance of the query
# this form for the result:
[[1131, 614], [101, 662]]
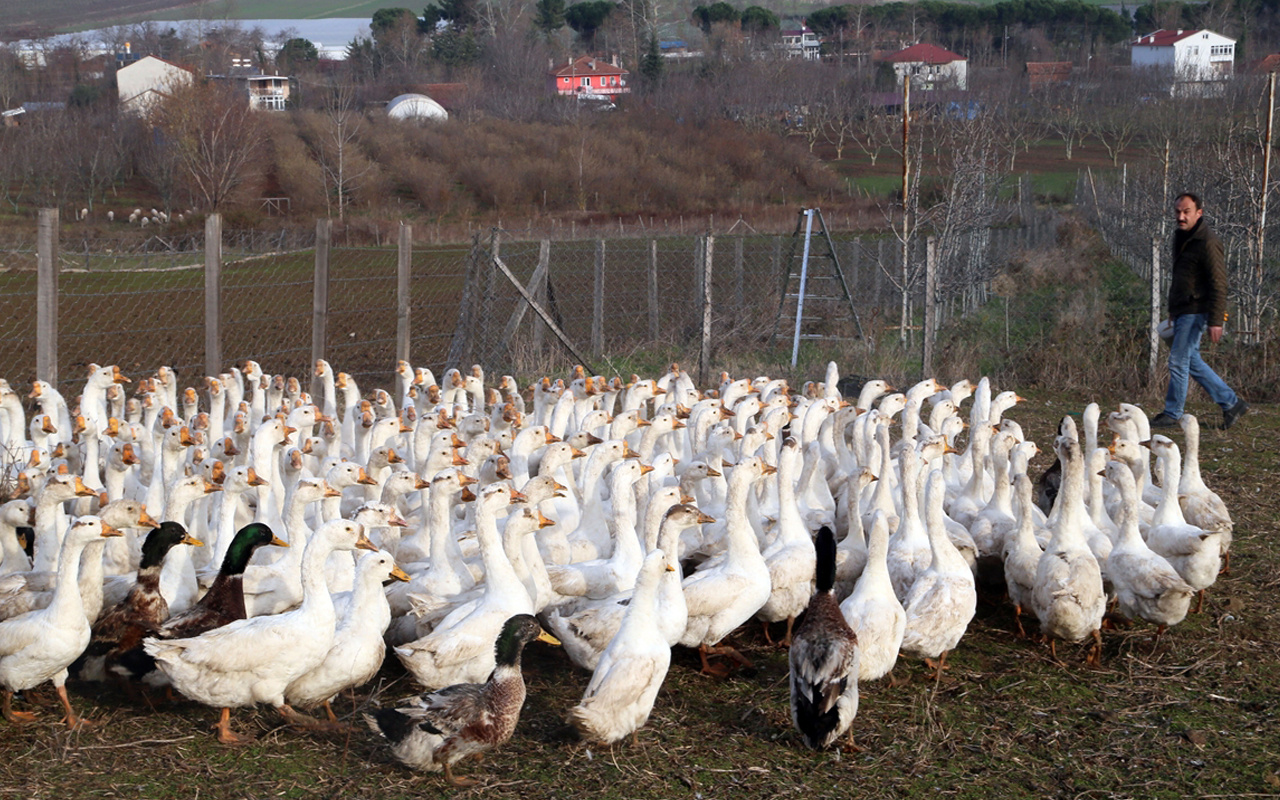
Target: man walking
[[1197, 300]]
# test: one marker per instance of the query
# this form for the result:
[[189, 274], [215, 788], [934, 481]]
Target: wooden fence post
[[213, 294], [320, 290], [538, 289], [597, 304], [47, 296], [404, 270]]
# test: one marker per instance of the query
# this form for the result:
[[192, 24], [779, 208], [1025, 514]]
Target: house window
[[586, 82], [566, 80]]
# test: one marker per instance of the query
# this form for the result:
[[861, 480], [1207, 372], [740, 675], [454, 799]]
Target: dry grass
[[1195, 715]]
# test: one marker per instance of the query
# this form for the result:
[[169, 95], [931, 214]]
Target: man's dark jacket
[[1198, 284]]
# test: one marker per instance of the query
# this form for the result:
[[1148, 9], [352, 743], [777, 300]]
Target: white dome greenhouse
[[416, 106]]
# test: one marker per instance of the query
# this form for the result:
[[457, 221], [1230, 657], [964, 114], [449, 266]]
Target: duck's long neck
[[1169, 512], [497, 567], [227, 506], [741, 537], [1191, 461], [790, 525], [1071, 497], [67, 601], [48, 542], [316, 600]]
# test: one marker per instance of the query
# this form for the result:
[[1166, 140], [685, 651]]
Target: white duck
[[590, 628], [460, 648], [1194, 552], [1068, 598], [1146, 585], [790, 556], [630, 672], [1021, 553], [723, 596], [873, 610], [39, 646], [254, 660], [1201, 506], [357, 651], [943, 598]]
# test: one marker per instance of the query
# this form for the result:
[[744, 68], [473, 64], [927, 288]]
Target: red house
[[588, 75]]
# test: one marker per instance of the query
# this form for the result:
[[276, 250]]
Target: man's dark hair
[[1194, 198]]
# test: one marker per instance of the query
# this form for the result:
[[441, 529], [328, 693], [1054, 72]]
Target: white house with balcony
[[929, 66], [801, 43], [1192, 57]]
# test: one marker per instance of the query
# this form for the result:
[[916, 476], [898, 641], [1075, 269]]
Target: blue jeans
[[1184, 360]]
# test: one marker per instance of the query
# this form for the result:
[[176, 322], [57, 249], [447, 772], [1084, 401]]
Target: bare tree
[[1063, 109], [214, 139], [333, 140]]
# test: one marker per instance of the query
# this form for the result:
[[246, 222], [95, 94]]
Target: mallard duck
[[824, 659], [39, 646], [254, 660], [142, 612], [222, 604], [443, 727], [630, 672], [358, 649]]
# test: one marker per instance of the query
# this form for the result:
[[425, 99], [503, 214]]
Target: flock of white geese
[[627, 517]]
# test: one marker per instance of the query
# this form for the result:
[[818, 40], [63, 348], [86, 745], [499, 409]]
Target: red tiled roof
[[588, 65], [924, 53], [1162, 38], [1270, 63]]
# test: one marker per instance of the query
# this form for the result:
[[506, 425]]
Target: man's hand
[[1215, 333]]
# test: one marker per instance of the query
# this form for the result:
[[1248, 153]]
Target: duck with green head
[[441, 728]]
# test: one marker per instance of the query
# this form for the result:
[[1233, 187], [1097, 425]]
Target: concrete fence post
[[404, 270], [213, 294], [320, 290], [47, 296]]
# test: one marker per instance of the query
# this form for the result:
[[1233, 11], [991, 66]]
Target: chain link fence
[[622, 304]]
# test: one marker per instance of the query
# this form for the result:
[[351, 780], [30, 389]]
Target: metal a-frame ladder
[[821, 284]]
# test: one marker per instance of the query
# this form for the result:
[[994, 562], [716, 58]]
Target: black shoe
[[1163, 420], [1234, 413]]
